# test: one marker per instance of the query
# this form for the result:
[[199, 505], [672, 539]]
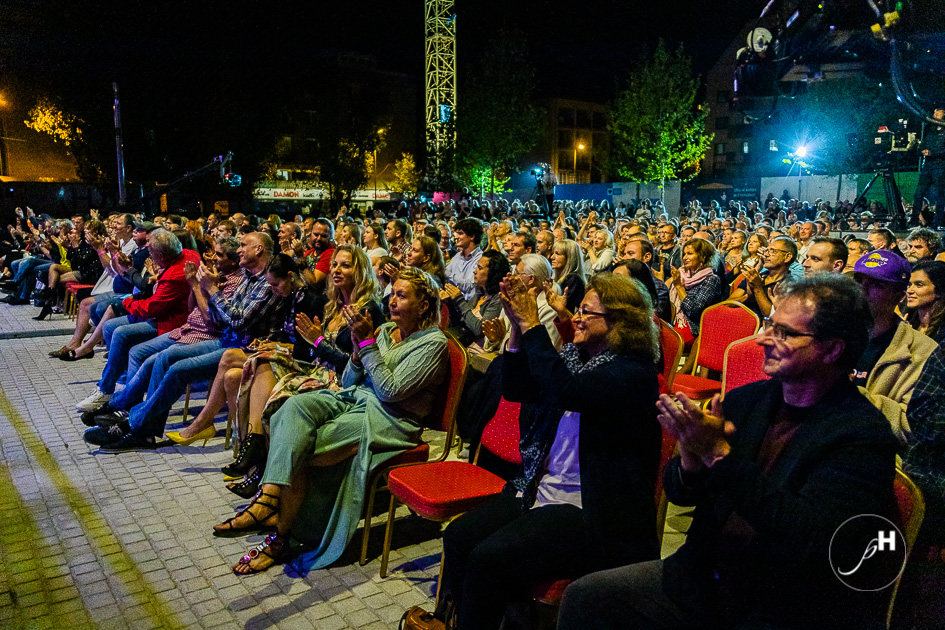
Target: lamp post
[[4, 159], [576, 148], [380, 132]]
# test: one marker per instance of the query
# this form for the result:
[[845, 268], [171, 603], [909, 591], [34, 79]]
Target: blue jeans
[[98, 309], [171, 371], [120, 337], [27, 273]]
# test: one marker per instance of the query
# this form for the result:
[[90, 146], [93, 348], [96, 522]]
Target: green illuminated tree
[[498, 121], [657, 130], [406, 175]]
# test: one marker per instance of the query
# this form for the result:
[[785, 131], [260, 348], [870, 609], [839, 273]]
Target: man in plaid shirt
[[242, 315]]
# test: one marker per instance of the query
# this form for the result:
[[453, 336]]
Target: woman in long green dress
[[390, 384]]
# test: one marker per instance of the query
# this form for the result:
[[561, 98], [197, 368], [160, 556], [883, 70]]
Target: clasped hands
[[702, 437]]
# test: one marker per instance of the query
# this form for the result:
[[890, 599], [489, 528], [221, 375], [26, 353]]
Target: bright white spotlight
[[801, 151]]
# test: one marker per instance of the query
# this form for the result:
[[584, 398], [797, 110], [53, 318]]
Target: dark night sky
[[580, 48], [183, 64]]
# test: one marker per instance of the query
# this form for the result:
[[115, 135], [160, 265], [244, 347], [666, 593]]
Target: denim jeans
[[171, 371], [98, 309], [120, 337], [27, 273]]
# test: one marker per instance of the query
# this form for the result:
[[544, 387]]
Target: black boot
[[46, 311], [252, 451], [250, 483]]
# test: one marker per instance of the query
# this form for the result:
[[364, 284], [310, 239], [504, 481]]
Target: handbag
[[416, 618]]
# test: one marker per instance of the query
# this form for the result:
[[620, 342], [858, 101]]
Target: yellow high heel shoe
[[205, 435]]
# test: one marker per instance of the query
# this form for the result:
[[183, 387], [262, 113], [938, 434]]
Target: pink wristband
[[366, 343], [318, 341]]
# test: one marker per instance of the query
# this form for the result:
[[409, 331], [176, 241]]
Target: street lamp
[[4, 159], [576, 148], [380, 132]]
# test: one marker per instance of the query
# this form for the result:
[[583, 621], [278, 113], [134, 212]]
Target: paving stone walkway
[[92, 540]]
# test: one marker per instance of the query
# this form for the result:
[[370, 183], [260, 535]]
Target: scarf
[[689, 280], [538, 437]]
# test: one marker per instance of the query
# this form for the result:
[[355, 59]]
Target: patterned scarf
[[538, 437]]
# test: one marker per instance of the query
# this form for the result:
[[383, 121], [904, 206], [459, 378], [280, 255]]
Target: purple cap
[[884, 265]]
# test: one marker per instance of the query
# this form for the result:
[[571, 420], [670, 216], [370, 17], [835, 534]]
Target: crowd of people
[[326, 341]]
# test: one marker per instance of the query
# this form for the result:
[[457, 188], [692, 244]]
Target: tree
[[498, 122], [47, 117], [406, 175], [657, 131]]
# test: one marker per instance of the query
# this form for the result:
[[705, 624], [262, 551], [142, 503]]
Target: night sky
[[183, 65]]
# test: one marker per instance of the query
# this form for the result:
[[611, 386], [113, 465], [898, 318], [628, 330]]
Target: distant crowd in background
[[326, 340]]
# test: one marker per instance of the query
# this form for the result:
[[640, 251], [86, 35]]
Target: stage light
[[801, 151]]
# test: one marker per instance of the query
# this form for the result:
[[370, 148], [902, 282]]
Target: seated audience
[[391, 381], [593, 402], [772, 473], [694, 287]]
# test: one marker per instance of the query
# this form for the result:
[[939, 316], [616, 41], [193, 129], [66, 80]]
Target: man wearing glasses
[[668, 254], [772, 473], [765, 286]]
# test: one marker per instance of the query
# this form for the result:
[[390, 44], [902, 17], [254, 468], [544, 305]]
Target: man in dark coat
[[772, 477]]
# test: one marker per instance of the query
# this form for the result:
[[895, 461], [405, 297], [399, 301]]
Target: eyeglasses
[[781, 332], [583, 312], [780, 251]]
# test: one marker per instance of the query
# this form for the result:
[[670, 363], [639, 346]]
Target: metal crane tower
[[440, 27]]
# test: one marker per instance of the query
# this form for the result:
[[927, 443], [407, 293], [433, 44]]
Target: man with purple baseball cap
[[893, 359]]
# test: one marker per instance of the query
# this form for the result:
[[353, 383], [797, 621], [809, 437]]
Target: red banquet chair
[[911, 506], [721, 324], [550, 593], [671, 347], [73, 290], [442, 418], [440, 491], [744, 360]]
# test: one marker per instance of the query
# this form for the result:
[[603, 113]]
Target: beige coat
[[890, 383]]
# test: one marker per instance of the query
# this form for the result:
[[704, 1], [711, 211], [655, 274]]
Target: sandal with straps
[[275, 547], [227, 529]]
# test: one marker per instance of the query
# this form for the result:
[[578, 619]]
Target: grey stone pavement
[[92, 540]]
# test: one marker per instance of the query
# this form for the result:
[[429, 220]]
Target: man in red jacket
[[147, 318]]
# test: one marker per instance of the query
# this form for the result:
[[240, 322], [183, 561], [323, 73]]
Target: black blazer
[[839, 463], [619, 440]]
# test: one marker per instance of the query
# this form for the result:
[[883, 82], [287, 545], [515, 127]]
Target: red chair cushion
[[550, 593], [439, 490], [416, 455], [696, 386]]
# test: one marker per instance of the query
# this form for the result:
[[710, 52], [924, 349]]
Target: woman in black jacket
[[583, 499]]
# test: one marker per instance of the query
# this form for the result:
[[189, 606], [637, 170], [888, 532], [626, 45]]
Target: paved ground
[[123, 541]]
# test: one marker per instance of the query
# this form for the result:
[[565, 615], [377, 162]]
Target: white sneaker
[[95, 401]]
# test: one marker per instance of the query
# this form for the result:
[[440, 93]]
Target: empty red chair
[[744, 360], [671, 347], [721, 324], [439, 491]]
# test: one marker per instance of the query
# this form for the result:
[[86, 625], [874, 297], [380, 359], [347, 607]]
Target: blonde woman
[[269, 378], [600, 252], [568, 267], [391, 381]]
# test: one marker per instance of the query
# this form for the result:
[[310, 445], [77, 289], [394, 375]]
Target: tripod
[[893, 197]]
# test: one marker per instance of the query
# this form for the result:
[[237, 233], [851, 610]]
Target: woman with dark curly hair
[[466, 316]]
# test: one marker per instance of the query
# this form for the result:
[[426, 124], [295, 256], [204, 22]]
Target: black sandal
[[72, 356], [249, 485], [275, 547], [227, 529]]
